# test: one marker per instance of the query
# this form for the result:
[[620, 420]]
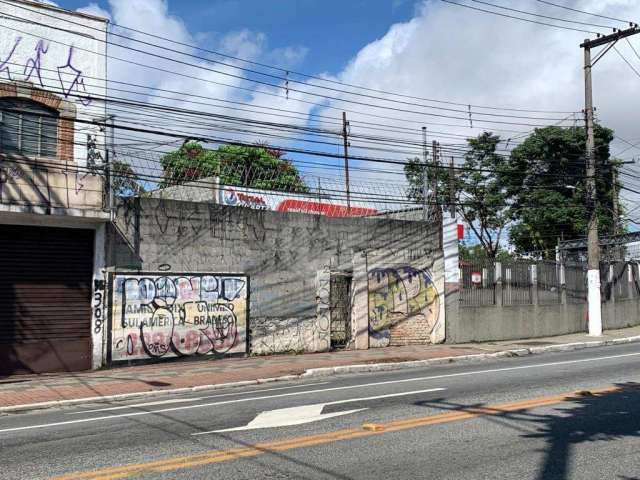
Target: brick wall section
[[46, 98], [65, 123], [65, 139], [8, 90]]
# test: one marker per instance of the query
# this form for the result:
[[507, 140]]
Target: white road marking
[[266, 397], [193, 399], [284, 417]]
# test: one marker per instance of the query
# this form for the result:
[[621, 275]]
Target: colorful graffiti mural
[[404, 305], [157, 315]]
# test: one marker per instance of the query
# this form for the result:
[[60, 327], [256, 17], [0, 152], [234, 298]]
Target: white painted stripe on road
[[285, 417], [193, 399], [266, 397]]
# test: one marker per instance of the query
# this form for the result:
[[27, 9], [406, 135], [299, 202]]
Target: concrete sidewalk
[[25, 392]]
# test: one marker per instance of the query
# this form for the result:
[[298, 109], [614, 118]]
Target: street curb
[[326, 372]]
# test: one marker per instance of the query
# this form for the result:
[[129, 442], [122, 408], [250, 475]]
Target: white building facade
[[53, 208]]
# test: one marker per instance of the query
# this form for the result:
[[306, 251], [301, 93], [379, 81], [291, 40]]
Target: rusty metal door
[[340, 309], [45, 290]]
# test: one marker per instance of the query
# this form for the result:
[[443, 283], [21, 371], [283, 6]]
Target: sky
[[419, 48]]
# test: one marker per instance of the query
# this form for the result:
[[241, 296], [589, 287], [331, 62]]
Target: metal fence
[[619, 277], [517, 283], [575, 278], [549, 284], [477, 283]]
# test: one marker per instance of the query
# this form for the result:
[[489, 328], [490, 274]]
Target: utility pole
[[452, 190], [425, 176], [345, 133], [593, 245], [434, 149]]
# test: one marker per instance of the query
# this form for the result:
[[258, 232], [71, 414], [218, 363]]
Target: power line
[[278, 86], [287, 72], [586, 13], [519, 18], [626, 61], [542, 16]]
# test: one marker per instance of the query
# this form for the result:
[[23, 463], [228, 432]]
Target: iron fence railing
[[620, 280], [549, 283], [477, 283], [575, 278], [517, 283]]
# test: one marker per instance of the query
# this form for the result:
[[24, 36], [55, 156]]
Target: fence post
[[533, 275], [498, 285]]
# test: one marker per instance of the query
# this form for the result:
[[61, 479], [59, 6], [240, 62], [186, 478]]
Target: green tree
[[477, 252], [479, 187], [124, 180], [546, 181], [256, 166]]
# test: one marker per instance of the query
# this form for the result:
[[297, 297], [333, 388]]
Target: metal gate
[[45, 290], [340, 309]]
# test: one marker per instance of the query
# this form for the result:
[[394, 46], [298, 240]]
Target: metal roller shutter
[[45, 293]]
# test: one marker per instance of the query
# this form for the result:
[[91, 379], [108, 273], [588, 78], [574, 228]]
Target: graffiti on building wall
[[403, 301], [70, 77], [281, 335], [178, 315], [97, 305]]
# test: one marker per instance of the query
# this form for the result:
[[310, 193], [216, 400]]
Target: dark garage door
[[45, 298]]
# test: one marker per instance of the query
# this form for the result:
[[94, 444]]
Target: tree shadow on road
[[595, 417], [585, 417]]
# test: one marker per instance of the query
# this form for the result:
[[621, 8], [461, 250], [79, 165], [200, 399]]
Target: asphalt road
[[507, 418]]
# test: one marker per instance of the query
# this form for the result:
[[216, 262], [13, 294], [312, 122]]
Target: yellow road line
[[218, 456]]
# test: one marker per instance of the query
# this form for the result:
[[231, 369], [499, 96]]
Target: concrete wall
[[166, 315], [289, 258], [509, 322]]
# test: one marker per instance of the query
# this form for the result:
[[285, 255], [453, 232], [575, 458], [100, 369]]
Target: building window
[[28, 128]]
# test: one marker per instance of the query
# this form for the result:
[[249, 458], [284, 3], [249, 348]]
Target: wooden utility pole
[[345, 137], [593, 244]]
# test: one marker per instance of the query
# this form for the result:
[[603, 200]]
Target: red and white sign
[[476, 278], [281, 202]]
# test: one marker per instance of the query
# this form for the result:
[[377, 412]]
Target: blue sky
[[332, 30]]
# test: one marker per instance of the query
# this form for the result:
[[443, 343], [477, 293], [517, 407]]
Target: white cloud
[[94, 9], [288, 57], [444, 52]]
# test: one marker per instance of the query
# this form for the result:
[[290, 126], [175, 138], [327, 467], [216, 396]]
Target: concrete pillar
[[360, 302], [563, 285], [498, 288], [533, 275], [323, 310], [99, 332]]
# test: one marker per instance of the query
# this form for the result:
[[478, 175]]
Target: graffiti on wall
[[157, 315], [282, 335], [70, 79], [403, 305]]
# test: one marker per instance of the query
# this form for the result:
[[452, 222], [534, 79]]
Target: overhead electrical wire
[[542, 16], [282, 87], [287, 72], [585, 12], [520, 18]]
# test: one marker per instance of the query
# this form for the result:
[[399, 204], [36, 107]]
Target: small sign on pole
[[476, 278]]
